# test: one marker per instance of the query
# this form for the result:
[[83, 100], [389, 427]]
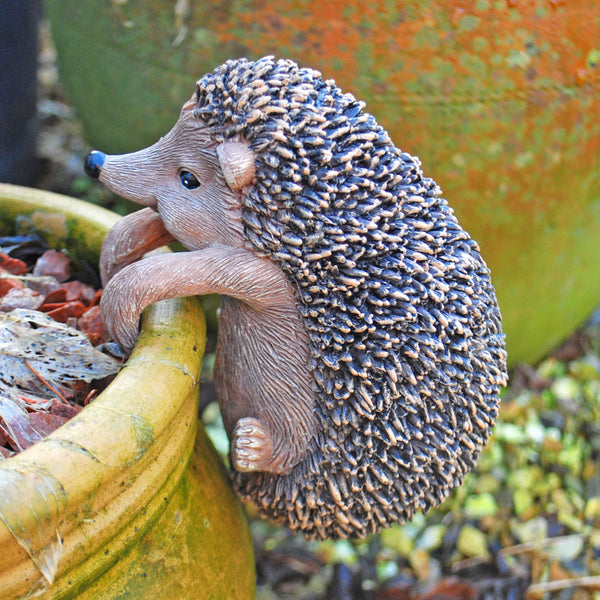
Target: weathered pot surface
[[499, 100]]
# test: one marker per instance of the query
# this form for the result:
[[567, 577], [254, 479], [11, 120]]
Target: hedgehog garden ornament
[[360, 353]]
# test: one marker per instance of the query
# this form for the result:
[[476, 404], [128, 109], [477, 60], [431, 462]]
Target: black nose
[[93, 163]]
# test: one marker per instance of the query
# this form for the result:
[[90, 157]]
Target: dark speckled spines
[[407, 350]]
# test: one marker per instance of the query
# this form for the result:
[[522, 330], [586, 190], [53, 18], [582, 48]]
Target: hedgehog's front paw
[[251, 445], [120, 314]]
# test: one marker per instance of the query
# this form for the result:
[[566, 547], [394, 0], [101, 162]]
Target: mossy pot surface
[[499, 99], [128, 499]]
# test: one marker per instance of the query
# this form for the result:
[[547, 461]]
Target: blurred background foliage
[[501, 102]]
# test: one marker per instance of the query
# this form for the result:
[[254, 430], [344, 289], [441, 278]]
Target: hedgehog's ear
[[237, 163]]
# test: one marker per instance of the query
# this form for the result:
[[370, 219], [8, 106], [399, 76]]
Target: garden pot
[[116, 503], [499, 98]]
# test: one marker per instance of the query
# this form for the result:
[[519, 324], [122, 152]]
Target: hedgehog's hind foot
[[251, 446]]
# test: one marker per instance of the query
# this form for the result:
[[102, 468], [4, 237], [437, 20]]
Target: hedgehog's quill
[[360, 354]]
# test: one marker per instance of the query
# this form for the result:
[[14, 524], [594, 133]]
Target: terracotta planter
[[500, 99], [116, 504]]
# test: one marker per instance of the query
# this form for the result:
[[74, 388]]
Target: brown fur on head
[[196, 216], [360, 352], [192, 186]]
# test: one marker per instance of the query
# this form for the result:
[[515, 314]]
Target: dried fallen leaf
[[64, 409], [45, 367], [46, 422], [27, 248], [450, 588], [70, 291], [6, 453], [91, 323], [41, 362], [20, 297], [540, 590], [472, 541], [64, 311], [12, 265], [56, 351], [16, 425], [54, 263], [9, 282]]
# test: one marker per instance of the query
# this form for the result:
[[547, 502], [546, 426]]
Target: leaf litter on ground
[[50, 328]]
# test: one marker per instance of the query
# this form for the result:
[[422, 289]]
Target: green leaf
[[472, 542], [481, 505]]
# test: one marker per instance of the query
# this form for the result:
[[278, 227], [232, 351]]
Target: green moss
[[468, 23]]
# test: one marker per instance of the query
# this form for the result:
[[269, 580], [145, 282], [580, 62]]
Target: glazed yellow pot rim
[[139, 427]]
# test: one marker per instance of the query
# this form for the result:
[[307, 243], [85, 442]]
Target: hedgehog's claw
[[251, 445]]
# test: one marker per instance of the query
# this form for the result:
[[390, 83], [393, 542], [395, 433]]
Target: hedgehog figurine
[[360, 354]]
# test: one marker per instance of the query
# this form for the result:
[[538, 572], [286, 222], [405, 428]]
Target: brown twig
[[46, 383], [537, 545], [537, 590], [91, 395], [527, 547]]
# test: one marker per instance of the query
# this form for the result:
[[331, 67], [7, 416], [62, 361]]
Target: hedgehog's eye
[[188, 180]]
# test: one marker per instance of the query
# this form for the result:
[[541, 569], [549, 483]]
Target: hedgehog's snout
[[93, 163]]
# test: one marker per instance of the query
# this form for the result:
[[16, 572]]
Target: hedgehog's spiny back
[[407, 351]]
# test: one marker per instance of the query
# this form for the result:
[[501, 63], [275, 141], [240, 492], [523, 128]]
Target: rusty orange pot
[[499, 98]]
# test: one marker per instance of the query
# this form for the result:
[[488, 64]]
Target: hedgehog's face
[[193, 182]]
